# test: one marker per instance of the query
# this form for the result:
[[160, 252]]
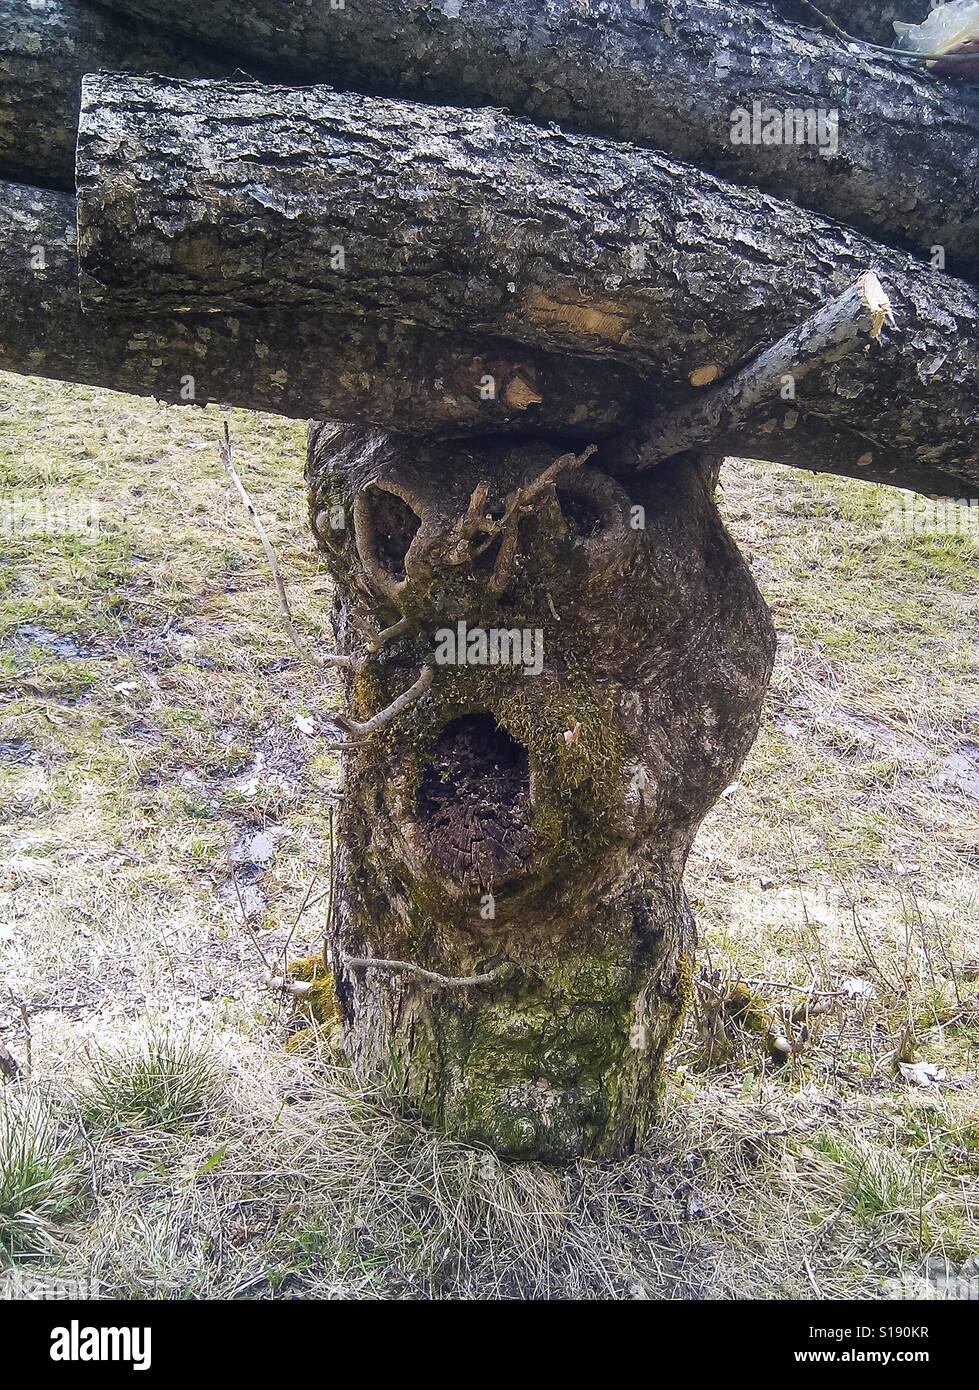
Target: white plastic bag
[[947, 28]]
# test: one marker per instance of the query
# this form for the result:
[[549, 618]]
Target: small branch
[[852, 320], [349, 662], [388, 634], [524, 496], [297, 988], [506, 558], [473, 520], [405, 967], [391, 711]]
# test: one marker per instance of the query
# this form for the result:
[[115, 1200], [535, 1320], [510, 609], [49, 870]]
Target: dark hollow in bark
[[535, 825], [45, 50], [387, 374], [474, 802], [666, 75], [211, 195]]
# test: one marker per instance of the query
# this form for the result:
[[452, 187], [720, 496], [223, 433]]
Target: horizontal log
[[45, 50], [383, 374], [291, 364], [900, 162], [209, 195], [801, 440]]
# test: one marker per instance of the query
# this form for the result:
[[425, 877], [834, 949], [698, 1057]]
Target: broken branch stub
[[854, 320]]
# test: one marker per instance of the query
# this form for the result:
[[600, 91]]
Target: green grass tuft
[[167, 1083]]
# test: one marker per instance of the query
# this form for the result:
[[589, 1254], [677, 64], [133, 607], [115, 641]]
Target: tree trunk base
[[511, 943]]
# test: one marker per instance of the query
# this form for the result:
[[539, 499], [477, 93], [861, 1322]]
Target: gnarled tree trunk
[[526, 822]]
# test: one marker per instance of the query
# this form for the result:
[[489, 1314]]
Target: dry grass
[[139, 761]]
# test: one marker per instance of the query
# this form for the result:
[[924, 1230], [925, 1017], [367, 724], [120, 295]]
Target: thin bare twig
[[391, 711], [831, 26], [523, 496], [387, 634], [329, 661], [407, 967]]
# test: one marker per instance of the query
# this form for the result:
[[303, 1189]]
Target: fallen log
[[733, 88], [45, 50], [291, 364], [391, 375], [237, 197]]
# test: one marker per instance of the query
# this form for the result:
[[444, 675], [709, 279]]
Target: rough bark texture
[[211, 195], [45, 50], [385, 374], [572, 797], [388, 374], [669, 75]]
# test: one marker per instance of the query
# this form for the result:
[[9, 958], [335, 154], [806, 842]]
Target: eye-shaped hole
[[580, 513], [395, 526], [595, 509]]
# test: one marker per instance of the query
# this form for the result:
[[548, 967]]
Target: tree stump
[[511, 942]]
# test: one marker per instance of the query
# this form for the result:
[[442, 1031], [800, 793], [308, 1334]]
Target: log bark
[[290, 363], [528, 830], [213, 196], [667, 75], [391, 375], [45, 50]]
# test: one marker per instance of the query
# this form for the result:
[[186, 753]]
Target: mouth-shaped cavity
[[474, 802]]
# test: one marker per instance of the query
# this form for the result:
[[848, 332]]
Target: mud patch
[[960, 770], [60, 644], [280, 761], [17, 752]]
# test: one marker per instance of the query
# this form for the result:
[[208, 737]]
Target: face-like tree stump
[[599, 655]]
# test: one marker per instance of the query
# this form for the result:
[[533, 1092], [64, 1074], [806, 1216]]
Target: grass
[[835, 887], [39, 1175], [165, 1082]]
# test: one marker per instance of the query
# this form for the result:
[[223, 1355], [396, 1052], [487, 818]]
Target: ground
[[165, 844]]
